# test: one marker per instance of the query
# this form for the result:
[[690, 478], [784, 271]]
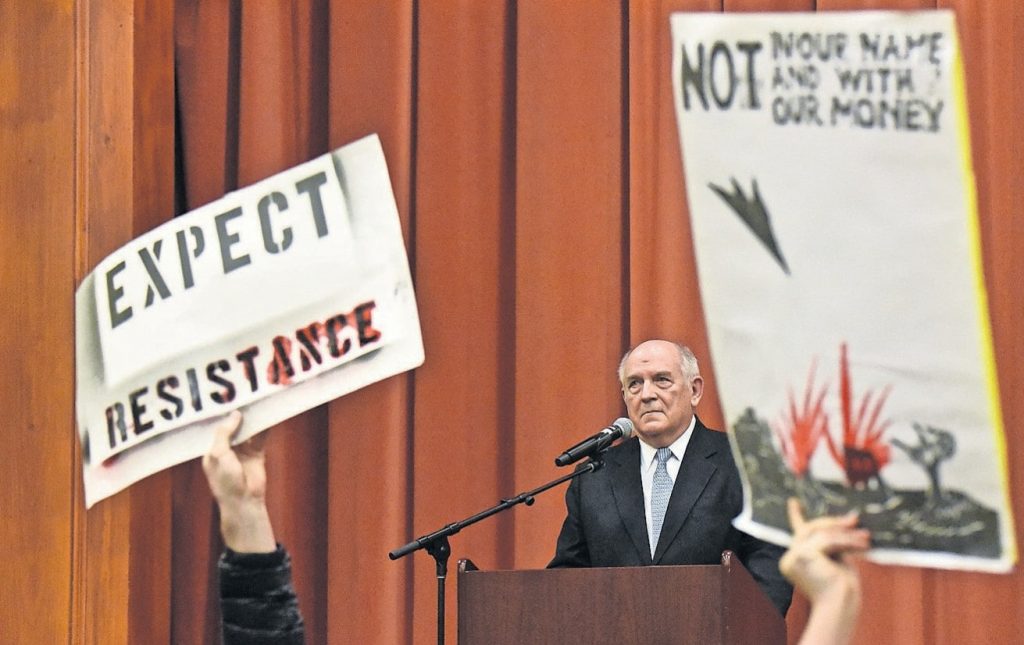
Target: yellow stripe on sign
[[985, 323]]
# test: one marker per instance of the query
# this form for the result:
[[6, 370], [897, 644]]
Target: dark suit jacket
[[606, 527]]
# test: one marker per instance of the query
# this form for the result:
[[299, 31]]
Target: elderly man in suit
[[669, 495]]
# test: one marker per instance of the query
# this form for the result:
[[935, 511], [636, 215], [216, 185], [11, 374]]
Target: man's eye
[[634, 386]]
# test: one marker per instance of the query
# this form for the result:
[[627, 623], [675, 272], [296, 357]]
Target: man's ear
[[696, 390]]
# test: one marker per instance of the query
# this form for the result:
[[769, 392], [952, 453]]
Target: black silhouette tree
[[934, 446]]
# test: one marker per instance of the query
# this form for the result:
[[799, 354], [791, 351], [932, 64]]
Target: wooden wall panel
[[104, 190], [37, 200], [124, 187], [152, 192]]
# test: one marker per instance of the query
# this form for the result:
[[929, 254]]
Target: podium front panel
[[649, 605]]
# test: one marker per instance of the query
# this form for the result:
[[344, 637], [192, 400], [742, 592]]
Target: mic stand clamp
[[436, 543]]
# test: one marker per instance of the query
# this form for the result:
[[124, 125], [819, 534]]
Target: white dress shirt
[[648, 464]]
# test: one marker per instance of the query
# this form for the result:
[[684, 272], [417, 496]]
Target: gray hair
[[687, 360]]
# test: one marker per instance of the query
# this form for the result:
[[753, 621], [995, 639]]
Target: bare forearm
[[833, 615], [246, 528]]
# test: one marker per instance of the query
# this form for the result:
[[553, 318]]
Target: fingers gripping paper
[[275, 299], [832, 202]]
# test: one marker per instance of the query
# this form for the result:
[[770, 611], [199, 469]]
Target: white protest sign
[[832, 202], [275, 298]]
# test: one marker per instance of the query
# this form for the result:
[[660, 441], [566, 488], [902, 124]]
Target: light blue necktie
[[661, 490]]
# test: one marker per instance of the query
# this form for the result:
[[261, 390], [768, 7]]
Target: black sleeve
[[571, 549], [762, 561], [257, 600]]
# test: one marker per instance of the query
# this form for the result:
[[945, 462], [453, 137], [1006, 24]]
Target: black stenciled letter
[[311, 187], [193, 389], [162, 391], [186, 264], [155, 279], [364, 322], [309, 339], [335, 326], [227, 240], [278, 200], [717, 50], [139, 409], [115, 419], [694, 77], [227, 395], [751, 48], [248, 367], [280, 370], [114, 293]]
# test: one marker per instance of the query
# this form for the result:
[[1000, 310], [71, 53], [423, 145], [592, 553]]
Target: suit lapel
[[628, 491], [694, 473]]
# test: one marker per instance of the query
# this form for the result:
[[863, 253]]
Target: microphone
[[621, 428]]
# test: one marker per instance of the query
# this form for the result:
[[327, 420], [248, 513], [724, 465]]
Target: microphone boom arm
[[436, 543], [522, 498]]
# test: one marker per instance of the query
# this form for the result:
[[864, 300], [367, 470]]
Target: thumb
[[222, 433]]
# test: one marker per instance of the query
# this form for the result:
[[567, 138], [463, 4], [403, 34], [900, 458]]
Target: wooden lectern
[[706, 604]]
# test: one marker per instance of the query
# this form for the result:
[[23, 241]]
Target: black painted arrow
[[754, 214]]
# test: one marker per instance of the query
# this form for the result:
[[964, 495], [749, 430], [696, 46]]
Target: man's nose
[[647, 391]]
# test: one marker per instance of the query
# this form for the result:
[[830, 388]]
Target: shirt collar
[[678, 447]]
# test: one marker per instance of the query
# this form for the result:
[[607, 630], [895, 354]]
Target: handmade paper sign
[[831, 196], [273, 299]]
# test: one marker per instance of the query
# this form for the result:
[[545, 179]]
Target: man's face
[[659, 397]]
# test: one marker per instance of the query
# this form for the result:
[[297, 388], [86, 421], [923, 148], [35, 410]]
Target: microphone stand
[[436, 543]]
